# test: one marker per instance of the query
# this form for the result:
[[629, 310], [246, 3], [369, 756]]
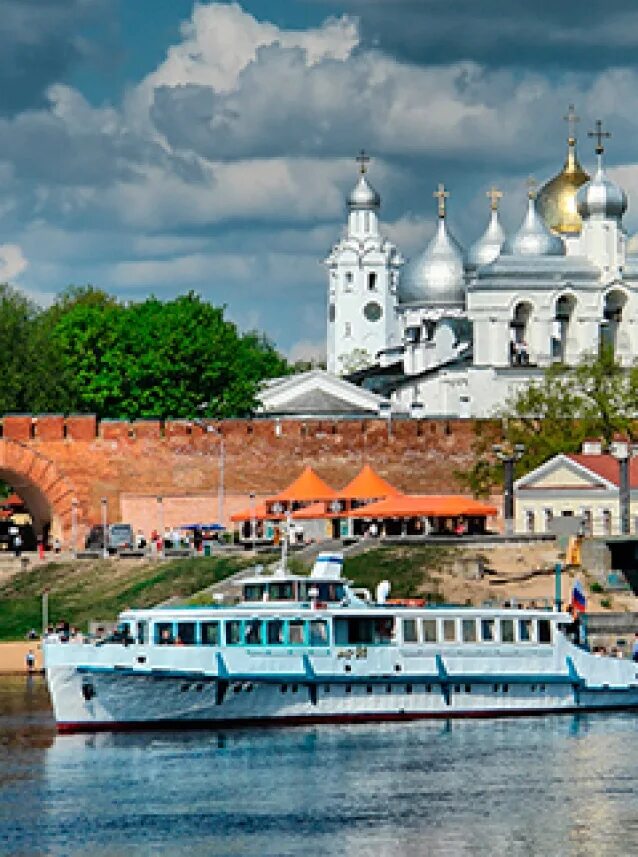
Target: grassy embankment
[[82, 591], [99, 590]]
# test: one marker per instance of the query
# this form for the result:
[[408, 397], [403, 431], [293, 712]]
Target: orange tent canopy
[[259, 513], [430, 505], [368, 485], [315, 510], [306, 488]]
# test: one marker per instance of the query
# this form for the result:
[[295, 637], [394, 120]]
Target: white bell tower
[[363, 272]]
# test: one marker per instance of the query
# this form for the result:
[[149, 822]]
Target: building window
[[588, 523], [549, 517], [348, 281], [332, 312], [372, 281], [530, 523], [607, 522], [372, 311], [348, 329], [366, 221]]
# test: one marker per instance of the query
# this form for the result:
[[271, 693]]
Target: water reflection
[[543, 786]]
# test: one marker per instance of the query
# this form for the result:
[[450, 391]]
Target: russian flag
[[579, 600]]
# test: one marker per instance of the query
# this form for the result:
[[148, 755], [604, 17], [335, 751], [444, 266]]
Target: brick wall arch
[[48, 493]]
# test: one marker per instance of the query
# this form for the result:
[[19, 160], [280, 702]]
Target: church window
[[331, 312], [372, 281], [348, 281], [348, 329], [367, 221], [372, 311]]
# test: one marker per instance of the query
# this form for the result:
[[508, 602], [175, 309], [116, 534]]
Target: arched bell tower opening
[[613, 334], [562, 333], [520, 334]]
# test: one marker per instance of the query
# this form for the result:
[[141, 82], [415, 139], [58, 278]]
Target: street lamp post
[[621, 452], [105, 548], [252, 521], [509, 456], [74, 528], [220, 487], [160, 510]]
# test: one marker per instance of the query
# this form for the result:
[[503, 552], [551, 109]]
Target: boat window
[[164, 633], [363, 631], [383, 631], [233, 632], [275, 632], [468, 630], [325, 591], [281, 592], [524, 630], [507, 630], [487, 630], [254, 592], [318, 632], [142, 633], [428, 627], [449, 630], [544, 631], [296, 632], [210, 633], [252, 632], [409, 631], [185, 634]]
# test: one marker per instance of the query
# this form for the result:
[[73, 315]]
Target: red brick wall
[[178, 459]]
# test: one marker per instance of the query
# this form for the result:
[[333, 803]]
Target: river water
[[555, 786]]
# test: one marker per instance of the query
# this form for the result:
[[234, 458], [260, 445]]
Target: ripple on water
[[555, 786]]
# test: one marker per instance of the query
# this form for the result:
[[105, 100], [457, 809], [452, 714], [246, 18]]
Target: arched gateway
[[46, 491]]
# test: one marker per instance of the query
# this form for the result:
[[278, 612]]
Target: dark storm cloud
[[563, 33], [41, 42]]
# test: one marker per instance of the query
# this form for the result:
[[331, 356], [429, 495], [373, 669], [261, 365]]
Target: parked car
[[119, 537]]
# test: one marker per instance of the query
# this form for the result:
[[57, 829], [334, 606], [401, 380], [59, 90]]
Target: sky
[[159, 146]]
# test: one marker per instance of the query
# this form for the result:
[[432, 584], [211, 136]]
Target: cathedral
[[454, 333]]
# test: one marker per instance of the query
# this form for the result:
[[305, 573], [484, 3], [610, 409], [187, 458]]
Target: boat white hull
[[93, 701]]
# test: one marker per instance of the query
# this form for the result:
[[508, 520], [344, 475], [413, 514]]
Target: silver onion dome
[[436, 277], [363, 196], [601, 198], [488, 246], [533, 238]]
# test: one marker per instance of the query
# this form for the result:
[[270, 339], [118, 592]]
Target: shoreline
[[13, 658]]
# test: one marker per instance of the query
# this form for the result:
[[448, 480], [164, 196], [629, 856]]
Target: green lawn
[[409, 569], [99, 590]]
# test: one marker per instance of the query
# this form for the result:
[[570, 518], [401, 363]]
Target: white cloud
[[12, 262], [307, 349]]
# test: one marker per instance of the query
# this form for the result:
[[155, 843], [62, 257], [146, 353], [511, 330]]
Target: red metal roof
[[607, 467]]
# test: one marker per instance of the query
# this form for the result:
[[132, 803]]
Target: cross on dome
[[599, 135], [572, 120], [363, 159], [494, 195], [441, 194]]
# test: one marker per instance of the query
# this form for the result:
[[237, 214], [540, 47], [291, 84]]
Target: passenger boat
[[313, 650]]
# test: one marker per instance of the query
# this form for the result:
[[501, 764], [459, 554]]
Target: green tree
[[597, 398], [32, 373], [160, 359]]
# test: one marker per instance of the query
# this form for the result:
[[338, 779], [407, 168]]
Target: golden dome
[[556, 201]]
